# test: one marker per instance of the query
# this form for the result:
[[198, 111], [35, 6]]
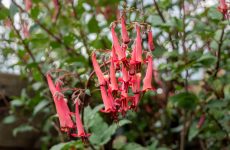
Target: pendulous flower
[[124, 33], [97, 70], [61, 106], [150, 40], [147, 81]]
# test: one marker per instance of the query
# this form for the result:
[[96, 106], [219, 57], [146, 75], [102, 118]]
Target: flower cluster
[[121, 87], [64, 114], [223, 8]]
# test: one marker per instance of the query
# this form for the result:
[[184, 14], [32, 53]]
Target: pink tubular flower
[[138, 44], [147, 82], [150, 40], [61, 106], [80, 129], [223, 7], [108, 103], [117, 47], [25, 30], [124, 33], [28, 5], [201, 121], [136, 83], [56, 10], [98, 71], [113, 86]]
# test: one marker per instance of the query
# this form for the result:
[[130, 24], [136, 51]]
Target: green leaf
[[184, 100], [193, 131], [93, 25], [4, 12], [13, 10], [35, 12], [68, 145], [133, 146], [40, 106], [207, 60], [22, 128], [9, 119], [214, 14]]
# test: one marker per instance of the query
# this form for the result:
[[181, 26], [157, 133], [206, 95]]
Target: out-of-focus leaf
[[207, 60], [40, 106], [133, 146], [184, 100], [193, 131], [4, 12], [214, 14], [69, 145], [22, 128], [9, 119]]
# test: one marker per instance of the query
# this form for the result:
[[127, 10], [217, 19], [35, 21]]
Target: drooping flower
[[120, 53], [136, 83], [124, 33], [61, 106], [25, 30], [113, 81], [147, 81], [80, 129], [56, 10], [28, 4], [97, 70], [150, 40], [201, 121], [223, 7], [125, 79], [138, 44], [108, 103]]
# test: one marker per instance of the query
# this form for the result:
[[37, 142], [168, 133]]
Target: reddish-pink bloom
[[124, 33], [117, 47], [201, 121], [150, 40], [28, 4], [136, 83], [147, 82], [125, 79], [56, 10], [97, 70], [61, 106], [113, 81], [25, 30], [223, 7], [138, 44], [108, 103], [80, 128]]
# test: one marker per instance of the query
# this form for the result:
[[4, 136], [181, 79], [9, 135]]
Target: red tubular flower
[[28, 5], [117, 47], [56, 10], [97, 70], [201, 121], [80, 129], [223, 7], [136, 83], [150, 40], [108, 103], [147, 82], [138, 44], [125, 79], [61, 106], [25, 30], [113, 86], [124, 33]]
